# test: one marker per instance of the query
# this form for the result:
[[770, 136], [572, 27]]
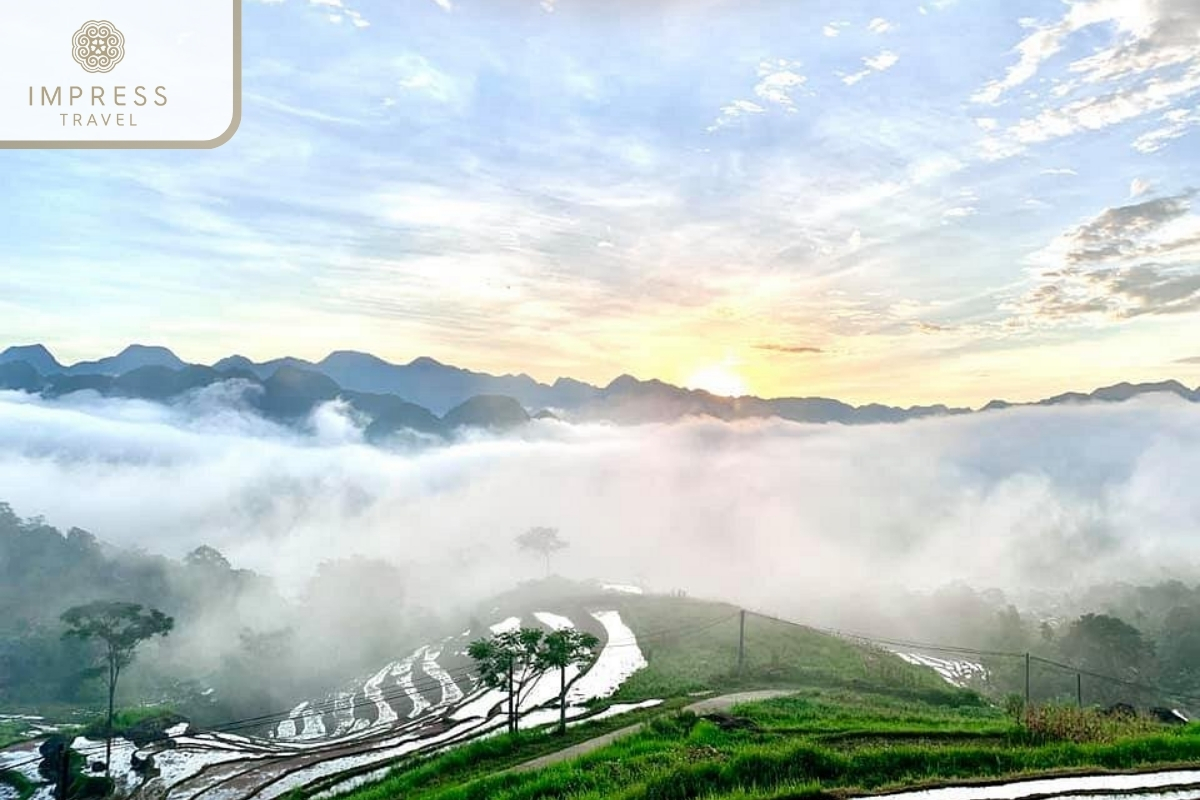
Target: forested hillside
[[238, 647]]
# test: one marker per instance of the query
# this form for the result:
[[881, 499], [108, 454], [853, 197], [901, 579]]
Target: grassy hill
[[691, 645], [818, 744], [860, 721]]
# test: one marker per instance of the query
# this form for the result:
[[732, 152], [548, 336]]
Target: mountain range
[[427, 396]]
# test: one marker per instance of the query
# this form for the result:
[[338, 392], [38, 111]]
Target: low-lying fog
[[773, 514]]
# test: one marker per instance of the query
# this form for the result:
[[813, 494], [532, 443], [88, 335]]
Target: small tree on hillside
[[119, 628], [511, 662], [206, 557], [544, 541], [564, 648]]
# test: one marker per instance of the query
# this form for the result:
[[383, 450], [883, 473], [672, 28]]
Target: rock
[[51, 751], [142, 765], [152, 729], [728, 722], [1169, 716]]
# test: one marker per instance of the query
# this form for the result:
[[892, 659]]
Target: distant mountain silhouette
[[389, 414], [20, 376], [1126, 391], [293, 392], [263, 370], [428, 397], [487, 411], [36, 355], [430, 383], [289, 395], [129, 359], [162, 383]]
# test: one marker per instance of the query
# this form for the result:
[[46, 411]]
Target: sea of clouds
[[770, 513]]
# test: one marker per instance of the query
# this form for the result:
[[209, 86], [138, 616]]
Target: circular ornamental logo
[[98, 46]]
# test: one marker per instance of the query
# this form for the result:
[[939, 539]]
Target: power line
[[962, 650], [1160, 690], [893, 642]]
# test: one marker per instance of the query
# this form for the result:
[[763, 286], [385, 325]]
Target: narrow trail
[[708, 705]]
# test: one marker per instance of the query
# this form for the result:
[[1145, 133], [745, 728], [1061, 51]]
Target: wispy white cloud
[[735, 110], [778, 84], [879, 25], [300, 111], [778, 80], [1176, 123], [833, 29], [958, 212], [418, 75], [1032, 51], [1099, 112], [885, 60], [1151, 61]]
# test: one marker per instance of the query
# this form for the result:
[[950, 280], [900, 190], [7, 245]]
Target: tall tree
[[206, 557], [566, 647], [119, 628], [495, 665], [544, 541], [512, 662], [1109, 646], [1179, 648]]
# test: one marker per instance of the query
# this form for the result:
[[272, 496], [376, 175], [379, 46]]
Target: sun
[[718, 379]]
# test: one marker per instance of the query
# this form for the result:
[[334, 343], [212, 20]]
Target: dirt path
[[707, 706]]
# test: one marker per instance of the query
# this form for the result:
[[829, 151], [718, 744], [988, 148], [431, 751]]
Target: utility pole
[[741, 641], [64, 772], [1027, 696], [1079, 689]]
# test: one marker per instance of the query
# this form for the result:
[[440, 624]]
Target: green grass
[[692, 645], [818, 743], [125, 719], [488, 756], [14, 731]]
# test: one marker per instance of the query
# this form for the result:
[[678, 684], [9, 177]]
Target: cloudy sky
[[889, 201]]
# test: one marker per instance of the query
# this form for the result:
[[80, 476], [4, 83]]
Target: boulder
[[1169, 716]]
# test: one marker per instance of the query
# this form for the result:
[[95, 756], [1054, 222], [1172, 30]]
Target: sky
[[901, 202]]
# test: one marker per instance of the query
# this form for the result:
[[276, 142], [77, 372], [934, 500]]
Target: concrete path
[[708, 705]]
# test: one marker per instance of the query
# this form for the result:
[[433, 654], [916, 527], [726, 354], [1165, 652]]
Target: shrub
[[1014, 706], [1056, 723]]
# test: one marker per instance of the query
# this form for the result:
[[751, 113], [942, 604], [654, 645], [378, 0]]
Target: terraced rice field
[[426, 701]]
